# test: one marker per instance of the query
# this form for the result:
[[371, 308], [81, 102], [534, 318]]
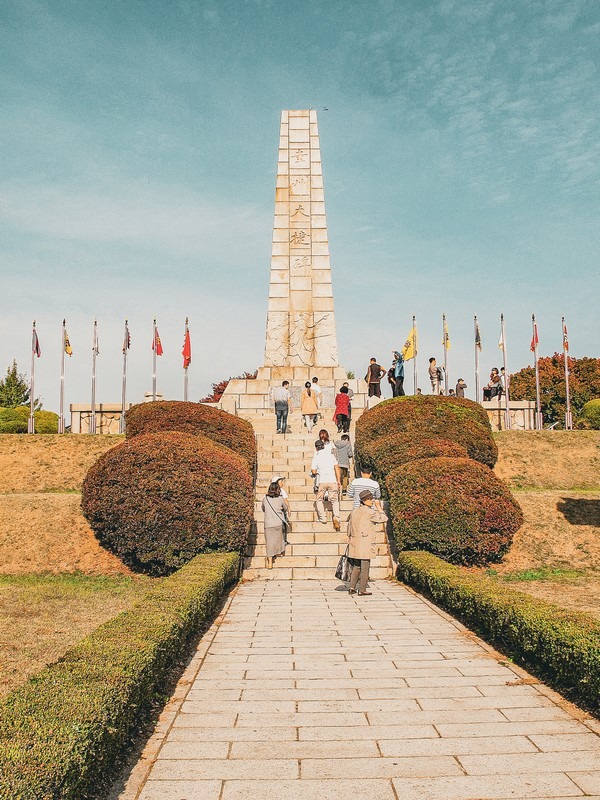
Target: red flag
[[565, 338], [156, 344], [187, 350], [534, 339], [36, 344]]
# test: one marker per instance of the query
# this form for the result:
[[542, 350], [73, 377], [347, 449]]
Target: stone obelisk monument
[[301, 339], [300, 320]]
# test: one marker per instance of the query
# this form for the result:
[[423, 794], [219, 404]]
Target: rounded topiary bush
[[159, 499], [11, 421], [383, 455], [453, 507], [591, 413], [14, 420], [427, 416], [193, 418]]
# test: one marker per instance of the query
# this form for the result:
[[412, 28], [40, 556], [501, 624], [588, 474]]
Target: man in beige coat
[[362, 541]]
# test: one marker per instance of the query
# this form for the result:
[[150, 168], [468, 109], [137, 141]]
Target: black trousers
[[343, 423], [374, 390], [399, 388]]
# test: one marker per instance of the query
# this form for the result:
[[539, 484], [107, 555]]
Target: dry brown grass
[[556, 479], [42, 528], [48, 462], [47, 533], [43, 615], [549, 459], [561, 530]]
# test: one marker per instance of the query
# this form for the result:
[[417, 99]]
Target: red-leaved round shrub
[[383, 455], [193, 418], [428, 416], [452, 507], [159, 499]]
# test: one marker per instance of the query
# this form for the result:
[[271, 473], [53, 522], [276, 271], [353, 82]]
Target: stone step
[[307, 503], [301, 573], [310, 549], [314, 526], [307, 562]]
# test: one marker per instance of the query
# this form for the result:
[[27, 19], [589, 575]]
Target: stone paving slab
[[300, 691]]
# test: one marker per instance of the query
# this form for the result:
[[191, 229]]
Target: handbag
[[342, 572]]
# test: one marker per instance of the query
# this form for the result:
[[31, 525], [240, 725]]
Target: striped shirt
[[359, 485]]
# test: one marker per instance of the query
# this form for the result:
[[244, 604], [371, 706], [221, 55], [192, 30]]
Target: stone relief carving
[[299, 184], [300, 238], [299, 212]]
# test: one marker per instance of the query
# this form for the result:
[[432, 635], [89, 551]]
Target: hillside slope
[[41, 525], [555, 476]]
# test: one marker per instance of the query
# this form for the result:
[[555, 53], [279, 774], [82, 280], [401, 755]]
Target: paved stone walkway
[[301, 691]]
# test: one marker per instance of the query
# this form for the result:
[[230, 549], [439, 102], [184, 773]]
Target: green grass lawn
[[43, 615]]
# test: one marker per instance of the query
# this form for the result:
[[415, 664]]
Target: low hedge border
[[562, 647], [63, 732]]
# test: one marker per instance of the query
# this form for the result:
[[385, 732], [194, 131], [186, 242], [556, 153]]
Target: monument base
[[522, 414], [253, 398]]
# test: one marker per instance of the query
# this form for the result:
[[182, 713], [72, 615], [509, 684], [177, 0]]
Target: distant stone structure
[[107, 417]]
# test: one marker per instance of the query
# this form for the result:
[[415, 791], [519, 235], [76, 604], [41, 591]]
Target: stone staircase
[[313, 549]]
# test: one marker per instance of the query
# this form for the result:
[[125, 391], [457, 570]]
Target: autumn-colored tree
[[584, 385], [219, 388]]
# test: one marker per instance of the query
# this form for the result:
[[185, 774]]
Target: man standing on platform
[[375, 373], [398, 365], [283, 405]]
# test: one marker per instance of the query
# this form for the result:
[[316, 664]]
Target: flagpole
[[31, 420], [124, 379], [185, 371], [415, 356], [568, 414], [477, 400], [445, 354], [539, 419], [154, 361], [61, 411], [507, 422], [92, 428]]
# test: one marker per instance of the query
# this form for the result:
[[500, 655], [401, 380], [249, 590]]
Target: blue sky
[[461, 157]]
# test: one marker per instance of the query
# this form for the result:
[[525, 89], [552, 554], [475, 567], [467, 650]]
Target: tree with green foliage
[[584, 385], [14, 389]]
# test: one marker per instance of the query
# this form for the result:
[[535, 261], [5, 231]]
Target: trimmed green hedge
[[591, 413], [562, 647], [62, 733], [14, 420], [427, 417]]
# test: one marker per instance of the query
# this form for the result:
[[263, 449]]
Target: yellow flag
[[68, 348], [410, 345], [446, 341]]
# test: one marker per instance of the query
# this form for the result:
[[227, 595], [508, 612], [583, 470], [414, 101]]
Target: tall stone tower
[[300, 320]]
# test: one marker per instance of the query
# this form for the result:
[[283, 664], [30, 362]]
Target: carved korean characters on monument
[[300, 293]]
